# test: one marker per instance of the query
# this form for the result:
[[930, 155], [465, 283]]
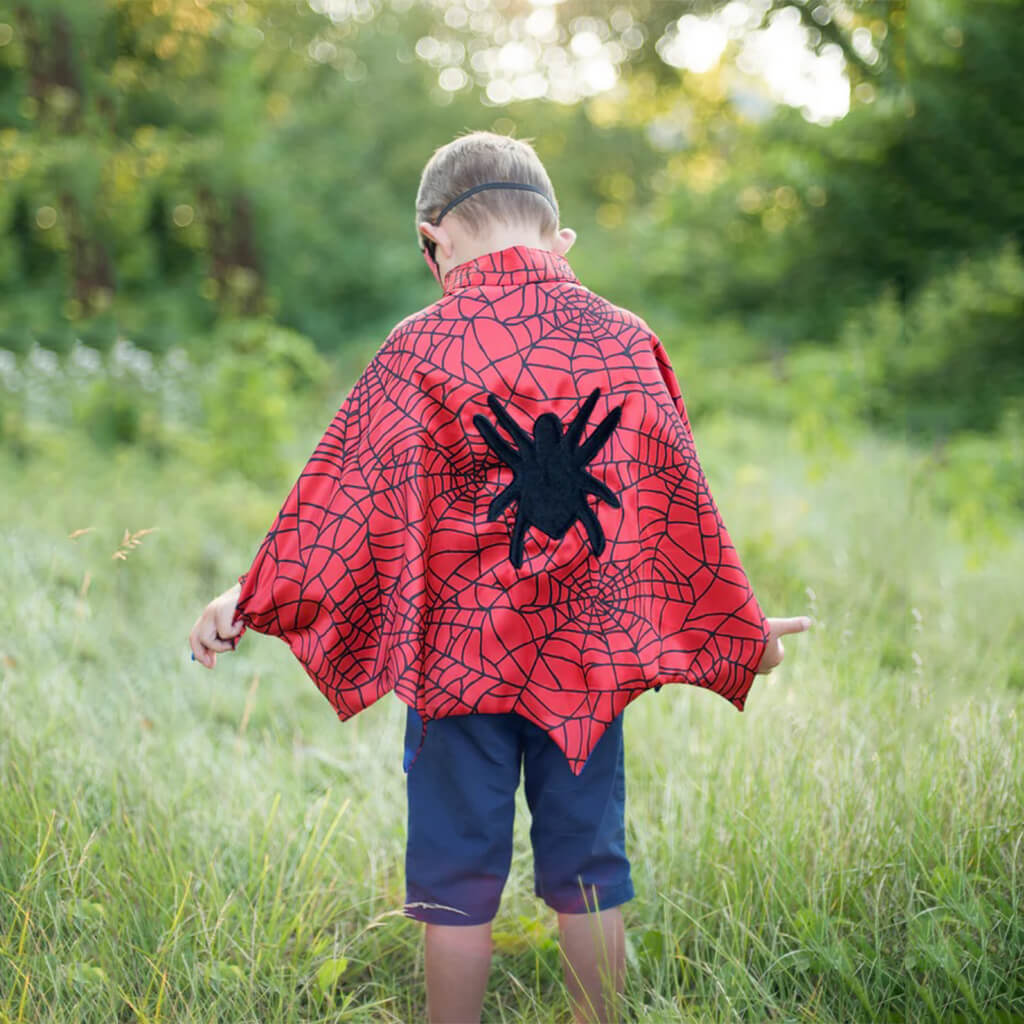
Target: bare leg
[[458, 960], [594, 948]]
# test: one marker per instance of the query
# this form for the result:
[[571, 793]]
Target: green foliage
[[15, 432], [952, 359], [246, 410], [169, 167], [278, 349], [235, 408], [110, 413], [260, 379], [982, 480], [791, 228]]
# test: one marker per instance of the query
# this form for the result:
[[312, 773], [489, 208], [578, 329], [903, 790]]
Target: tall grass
[[178, 845]]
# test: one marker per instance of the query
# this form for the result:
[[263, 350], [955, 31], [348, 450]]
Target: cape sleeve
[[292, 588], [271, 598], [727, 634], [668, 375]]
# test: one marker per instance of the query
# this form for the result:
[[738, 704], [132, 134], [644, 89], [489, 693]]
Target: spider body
[[550, 482]]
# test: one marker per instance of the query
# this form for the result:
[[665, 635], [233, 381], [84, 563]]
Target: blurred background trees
[[788, 190]]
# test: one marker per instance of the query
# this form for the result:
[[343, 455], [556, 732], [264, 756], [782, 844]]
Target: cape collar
[[516, 265]]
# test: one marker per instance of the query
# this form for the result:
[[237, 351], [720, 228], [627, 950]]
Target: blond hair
[[478, 157]]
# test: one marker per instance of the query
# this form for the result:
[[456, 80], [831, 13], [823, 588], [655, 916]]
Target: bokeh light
[[525, 51]]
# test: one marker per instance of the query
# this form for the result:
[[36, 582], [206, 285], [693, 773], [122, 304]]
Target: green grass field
[[180, 845]]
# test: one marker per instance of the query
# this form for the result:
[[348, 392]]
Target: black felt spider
[[550, 482]]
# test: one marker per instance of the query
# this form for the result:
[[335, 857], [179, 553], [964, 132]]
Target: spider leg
[[515, 548], [502, 501], [521, 437], [590, 447], [595, 486], [575, 431], [500, 447], [593, 528]]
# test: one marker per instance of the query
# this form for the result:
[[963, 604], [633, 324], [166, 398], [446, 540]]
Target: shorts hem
[[437, 914], [573, 903]]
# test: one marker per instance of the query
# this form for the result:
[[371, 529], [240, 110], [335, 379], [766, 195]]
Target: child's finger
[[204, 656], [796, 624], [225, 627], [226, 631], [195, 644], [207, 636]]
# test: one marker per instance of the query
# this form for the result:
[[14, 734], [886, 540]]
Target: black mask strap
[[431, 246], [494, 184]]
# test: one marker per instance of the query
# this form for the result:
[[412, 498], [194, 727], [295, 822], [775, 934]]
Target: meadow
[[180, 845]]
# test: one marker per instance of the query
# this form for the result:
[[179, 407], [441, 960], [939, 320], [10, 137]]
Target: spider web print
[[382, 571]]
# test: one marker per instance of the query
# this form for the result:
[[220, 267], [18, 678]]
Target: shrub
[[955, 360]]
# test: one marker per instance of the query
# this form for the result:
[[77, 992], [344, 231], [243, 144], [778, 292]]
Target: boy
[[506, 523]]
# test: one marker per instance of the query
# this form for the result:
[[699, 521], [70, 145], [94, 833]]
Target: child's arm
[[215, 631]]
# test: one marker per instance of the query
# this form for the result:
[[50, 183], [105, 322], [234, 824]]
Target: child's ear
[[563, 241], [437, 233]]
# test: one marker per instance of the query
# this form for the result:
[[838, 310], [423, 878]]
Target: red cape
[[507, 513]]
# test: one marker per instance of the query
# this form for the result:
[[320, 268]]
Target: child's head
[[454, 227]]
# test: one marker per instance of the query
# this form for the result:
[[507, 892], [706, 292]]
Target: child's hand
[[777, 628], [214, 631]]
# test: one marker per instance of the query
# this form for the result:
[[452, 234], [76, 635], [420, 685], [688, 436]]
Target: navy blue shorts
[[461, 790]]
